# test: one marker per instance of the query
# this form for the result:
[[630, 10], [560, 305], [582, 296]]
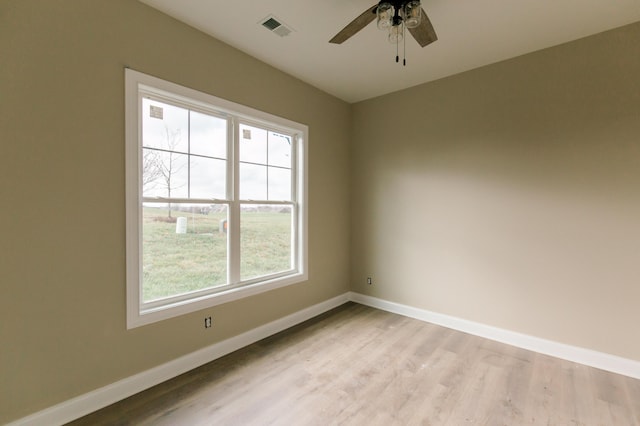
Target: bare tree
[[159, 167], [168, 165], [150, 169]]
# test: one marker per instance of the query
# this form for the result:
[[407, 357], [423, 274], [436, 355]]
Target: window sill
[[143, 316]]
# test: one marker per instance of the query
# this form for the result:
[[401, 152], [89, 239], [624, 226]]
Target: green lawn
[[178, 263]]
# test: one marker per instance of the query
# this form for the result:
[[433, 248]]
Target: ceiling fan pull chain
[[404, 46]]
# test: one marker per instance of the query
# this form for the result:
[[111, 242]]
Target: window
[[216, 200]]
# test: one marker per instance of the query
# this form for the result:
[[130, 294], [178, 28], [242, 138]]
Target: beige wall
[[62, 244], [510, 195], [506, 195]]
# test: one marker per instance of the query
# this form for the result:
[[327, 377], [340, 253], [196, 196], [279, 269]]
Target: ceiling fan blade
[[354, 26], [424, 33]]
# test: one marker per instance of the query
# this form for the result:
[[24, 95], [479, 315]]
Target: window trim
[[136, 315]]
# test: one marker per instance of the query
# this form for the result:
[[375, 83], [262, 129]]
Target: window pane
[[265, 240], [279, 150], [164, 126], [208, 135], [171, 176], [208, 178], [253, 144], [279, 184], [253, 182], [184, 248]]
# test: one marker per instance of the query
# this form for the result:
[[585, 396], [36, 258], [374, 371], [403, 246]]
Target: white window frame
[[140, 313]]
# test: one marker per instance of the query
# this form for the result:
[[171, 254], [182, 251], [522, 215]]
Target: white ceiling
[[471, 33]]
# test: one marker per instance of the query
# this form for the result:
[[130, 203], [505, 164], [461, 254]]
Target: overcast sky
[[199, 155]]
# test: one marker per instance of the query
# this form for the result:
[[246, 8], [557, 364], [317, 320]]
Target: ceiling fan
[[394, 16]]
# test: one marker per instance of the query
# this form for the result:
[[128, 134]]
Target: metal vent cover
[[276, 26], [271, 24]]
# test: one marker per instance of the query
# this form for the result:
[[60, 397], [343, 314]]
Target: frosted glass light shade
[[385, 13], [396, 33], [412, 14]]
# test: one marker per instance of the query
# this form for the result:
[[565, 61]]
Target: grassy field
[[178, 263]]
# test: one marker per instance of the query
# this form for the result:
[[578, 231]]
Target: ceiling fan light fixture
[[385, 12], [394, 16], [412, 13]]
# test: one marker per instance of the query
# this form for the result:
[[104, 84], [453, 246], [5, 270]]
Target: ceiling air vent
[[275, 26]]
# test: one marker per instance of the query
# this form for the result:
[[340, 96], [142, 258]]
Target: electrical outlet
[[369, 280], [207, 322]]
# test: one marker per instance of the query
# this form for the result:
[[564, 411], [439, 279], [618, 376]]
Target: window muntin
[[216, 203]]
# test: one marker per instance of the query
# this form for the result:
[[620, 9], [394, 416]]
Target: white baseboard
[[584, 356], [107, 395]]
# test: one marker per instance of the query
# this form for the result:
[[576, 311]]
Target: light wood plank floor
[[361, 366]]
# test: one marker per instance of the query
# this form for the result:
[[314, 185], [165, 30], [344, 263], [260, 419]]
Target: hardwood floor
[[357, 365]]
